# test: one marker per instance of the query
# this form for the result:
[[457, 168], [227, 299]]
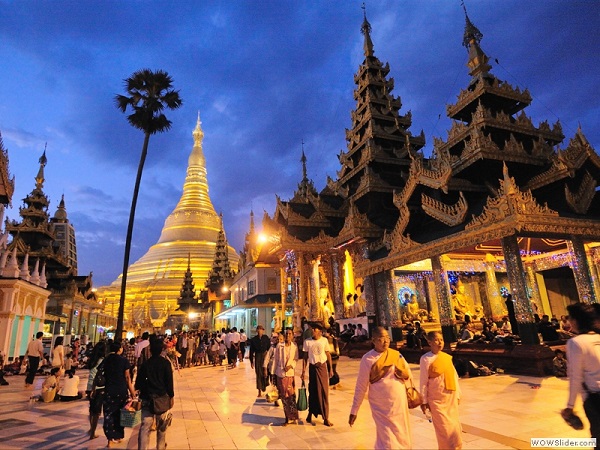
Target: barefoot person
[[383, 372], [316, 354], [441, 393]]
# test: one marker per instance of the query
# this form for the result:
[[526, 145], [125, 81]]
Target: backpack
[[100, 377]]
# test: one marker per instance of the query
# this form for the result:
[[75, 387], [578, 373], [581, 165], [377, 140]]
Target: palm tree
[[148, 94]]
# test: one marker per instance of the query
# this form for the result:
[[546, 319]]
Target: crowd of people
[[143, 368]]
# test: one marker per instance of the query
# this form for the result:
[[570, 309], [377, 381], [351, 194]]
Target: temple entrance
[[561, 290]]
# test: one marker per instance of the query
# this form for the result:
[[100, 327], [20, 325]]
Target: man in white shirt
[[316, 354], [142, 348], [35, 353], [233, 346]]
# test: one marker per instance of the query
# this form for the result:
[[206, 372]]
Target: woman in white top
[[284, 363], [583, 354], [58, 353]]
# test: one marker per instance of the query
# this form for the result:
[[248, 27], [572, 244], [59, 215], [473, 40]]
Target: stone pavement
[[217, 408]]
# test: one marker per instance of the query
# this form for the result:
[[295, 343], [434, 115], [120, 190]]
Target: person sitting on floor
[[559, 364], [361, 334], [420, 335], [466, 333], [50, 386], [547, 330], [69, 391]]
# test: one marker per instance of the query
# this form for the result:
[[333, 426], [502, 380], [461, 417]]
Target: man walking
[[233, 346], [155, 381], [316, 354], [35, 352], [259, 346]]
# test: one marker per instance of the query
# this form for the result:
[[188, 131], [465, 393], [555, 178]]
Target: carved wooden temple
[[501, 206]]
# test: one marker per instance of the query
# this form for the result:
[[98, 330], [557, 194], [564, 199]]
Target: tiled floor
[[217, 408]]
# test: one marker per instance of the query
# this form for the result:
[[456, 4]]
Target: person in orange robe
[[441, 393]]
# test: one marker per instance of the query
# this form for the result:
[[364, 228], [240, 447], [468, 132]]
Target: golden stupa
[[190, 231]]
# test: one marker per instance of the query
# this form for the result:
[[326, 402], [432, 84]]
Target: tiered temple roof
[[358, 204], [493, 156]]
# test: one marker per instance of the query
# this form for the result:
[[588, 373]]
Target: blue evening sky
[[264, 75]]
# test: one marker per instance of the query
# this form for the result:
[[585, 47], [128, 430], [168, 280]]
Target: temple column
[[283, 283], [313, 282], [384, 296], [594, 270], [581, 269], [369, 292], [302, 286], [516, 277], [337, 291], [492, 290], [535, 290], [442, 288]]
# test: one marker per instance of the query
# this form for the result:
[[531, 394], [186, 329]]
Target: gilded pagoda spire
[[366, 31], [478, 60], [190, 231]]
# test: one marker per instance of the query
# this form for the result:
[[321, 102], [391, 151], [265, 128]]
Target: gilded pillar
[[313, 281], [595, 271], [283, 283], [492, 290], [581, 269], [516, 277], [442, 289], [337, 290], [302, 286]]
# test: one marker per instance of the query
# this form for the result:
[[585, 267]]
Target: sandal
[[572, 419]]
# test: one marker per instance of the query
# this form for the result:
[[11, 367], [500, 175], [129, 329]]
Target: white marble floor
[[217, 408]]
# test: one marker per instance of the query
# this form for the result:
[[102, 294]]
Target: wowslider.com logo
[[563, 442]]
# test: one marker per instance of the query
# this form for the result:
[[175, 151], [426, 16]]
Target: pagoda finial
[[478, 60], [303, 161], [251, 221], [366, 31], [198, 133], [39, 179]]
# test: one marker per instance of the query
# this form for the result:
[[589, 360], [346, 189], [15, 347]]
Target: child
[[559, 364], [222, 352], [202, 354]]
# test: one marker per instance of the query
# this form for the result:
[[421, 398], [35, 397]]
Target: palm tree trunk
[[136, 190]]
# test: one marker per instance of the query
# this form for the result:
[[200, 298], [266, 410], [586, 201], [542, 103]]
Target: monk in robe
[[441, 393], [383, 372]]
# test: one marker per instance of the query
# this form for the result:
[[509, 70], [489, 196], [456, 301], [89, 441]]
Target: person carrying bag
[[155, 384]]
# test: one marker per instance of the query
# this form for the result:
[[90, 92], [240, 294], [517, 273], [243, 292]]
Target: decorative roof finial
[[471, 31], [39, 179], [478, 60], [198, 133], [366, 31], [303, 161]]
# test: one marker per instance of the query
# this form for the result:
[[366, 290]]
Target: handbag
[[272, 393], [413, 395], [335, 379], [160, 403], [302, 402]]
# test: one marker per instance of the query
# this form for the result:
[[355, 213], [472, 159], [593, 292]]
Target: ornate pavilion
[[502, 206]]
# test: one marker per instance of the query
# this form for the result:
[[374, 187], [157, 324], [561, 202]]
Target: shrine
[[502, 206]]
